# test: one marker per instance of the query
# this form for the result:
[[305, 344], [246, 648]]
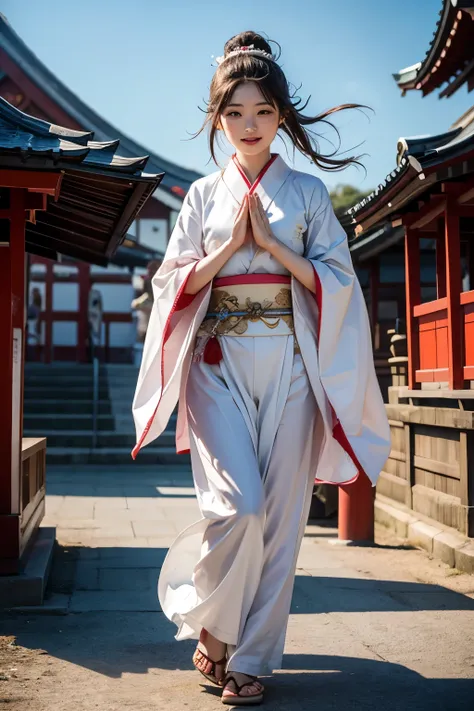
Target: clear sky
[[145, 65]]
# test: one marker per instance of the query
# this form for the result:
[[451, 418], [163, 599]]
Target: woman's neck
[[253, 165]]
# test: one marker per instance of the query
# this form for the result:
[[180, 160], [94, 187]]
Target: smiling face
[[248, 121]]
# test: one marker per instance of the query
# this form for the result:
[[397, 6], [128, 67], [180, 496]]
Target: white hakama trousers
[[253, 420]]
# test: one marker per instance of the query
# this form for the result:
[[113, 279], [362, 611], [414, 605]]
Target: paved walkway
[[379, 627]]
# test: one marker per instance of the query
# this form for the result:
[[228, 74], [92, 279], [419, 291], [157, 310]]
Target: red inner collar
[[252, 187]]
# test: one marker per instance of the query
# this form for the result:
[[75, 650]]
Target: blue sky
[[146, 66]]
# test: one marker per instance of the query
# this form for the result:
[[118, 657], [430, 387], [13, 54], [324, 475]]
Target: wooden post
[[453, 293], [440, 261], [12, 332], [374, 298], [48, 313], [413, 298], [83, 325]]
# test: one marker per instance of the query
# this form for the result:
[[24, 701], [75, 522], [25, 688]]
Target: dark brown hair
[[275, 88]]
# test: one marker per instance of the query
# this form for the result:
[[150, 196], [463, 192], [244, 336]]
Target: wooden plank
[[436, 482], [463, 469], [31, 445], [409, 471], [400, 456], [467, 480], [439, 506], [430, 307], [437, 467]]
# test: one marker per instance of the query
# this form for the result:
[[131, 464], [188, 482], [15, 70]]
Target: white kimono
[[264, 423]]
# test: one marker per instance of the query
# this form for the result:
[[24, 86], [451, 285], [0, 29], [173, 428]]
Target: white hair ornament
[[248, 49]]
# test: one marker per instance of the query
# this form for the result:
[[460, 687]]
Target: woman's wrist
[[272, 245]]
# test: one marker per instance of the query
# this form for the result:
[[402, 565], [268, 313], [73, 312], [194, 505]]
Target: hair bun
[[244, 39]]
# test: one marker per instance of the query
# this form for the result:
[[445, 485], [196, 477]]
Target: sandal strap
[[239, 687], [215, 663]]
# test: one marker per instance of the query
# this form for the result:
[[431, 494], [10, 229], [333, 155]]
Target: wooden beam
[[453, 291], [34, 181], [36, 201], [413, 298], [466, 196], [430, 211], [457, 188]]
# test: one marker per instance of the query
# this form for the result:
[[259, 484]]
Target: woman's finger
[[262, 211], [242, 215]]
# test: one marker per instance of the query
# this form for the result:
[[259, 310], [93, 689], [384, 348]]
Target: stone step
[[83, 438], [66, 421], [166, 456], [49, 406]]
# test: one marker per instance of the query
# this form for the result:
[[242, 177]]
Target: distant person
[[34, 313], [260, 331]]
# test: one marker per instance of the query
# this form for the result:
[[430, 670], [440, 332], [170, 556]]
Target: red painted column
[[356, 510], [453, 294], [12, 334]]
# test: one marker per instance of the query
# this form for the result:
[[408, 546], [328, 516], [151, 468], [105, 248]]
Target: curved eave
[[450, 34], [32, 139], [177, 179], [400, 176]]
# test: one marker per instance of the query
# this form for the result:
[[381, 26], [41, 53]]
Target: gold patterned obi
[[249, 305]]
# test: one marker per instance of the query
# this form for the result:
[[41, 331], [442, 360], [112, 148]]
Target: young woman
[[259, 329]]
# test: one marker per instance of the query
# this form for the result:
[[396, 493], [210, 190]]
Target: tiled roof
[[101, 191], [418, 154], [176, 180], [452, 45]]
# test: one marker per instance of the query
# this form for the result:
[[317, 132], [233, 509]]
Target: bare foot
[[231, 691], [215, 650]]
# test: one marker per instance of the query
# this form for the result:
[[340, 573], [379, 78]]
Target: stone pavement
[[371, 627]]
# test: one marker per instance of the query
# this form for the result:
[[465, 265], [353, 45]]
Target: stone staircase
[[58, 404]]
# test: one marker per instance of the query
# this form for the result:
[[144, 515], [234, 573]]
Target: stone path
[[370, 627]]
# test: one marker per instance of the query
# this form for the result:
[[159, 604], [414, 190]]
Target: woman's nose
[[250, 127]]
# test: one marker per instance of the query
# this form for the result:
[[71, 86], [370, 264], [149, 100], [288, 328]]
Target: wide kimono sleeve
[[344, 345], [174, 321]]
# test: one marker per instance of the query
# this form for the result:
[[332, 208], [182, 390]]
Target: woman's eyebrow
[[260, 103]]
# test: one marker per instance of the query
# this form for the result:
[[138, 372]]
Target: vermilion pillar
[[356, 510], [453, 291], [12, 332]]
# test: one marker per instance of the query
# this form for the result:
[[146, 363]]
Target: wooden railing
[[467, 310], [33, 490], [432, 334], [433, 343]]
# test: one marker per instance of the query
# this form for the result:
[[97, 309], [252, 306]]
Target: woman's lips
[[251, 140]]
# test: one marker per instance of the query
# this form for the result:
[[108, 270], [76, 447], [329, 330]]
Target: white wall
[[154, 233]]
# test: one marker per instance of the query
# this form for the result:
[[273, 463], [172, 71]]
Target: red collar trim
[[253, 187]]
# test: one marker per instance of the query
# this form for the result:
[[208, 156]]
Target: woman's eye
[[233, 113]]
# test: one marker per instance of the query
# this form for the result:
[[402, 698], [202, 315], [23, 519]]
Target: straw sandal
[[238, 700], [211, 674]]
